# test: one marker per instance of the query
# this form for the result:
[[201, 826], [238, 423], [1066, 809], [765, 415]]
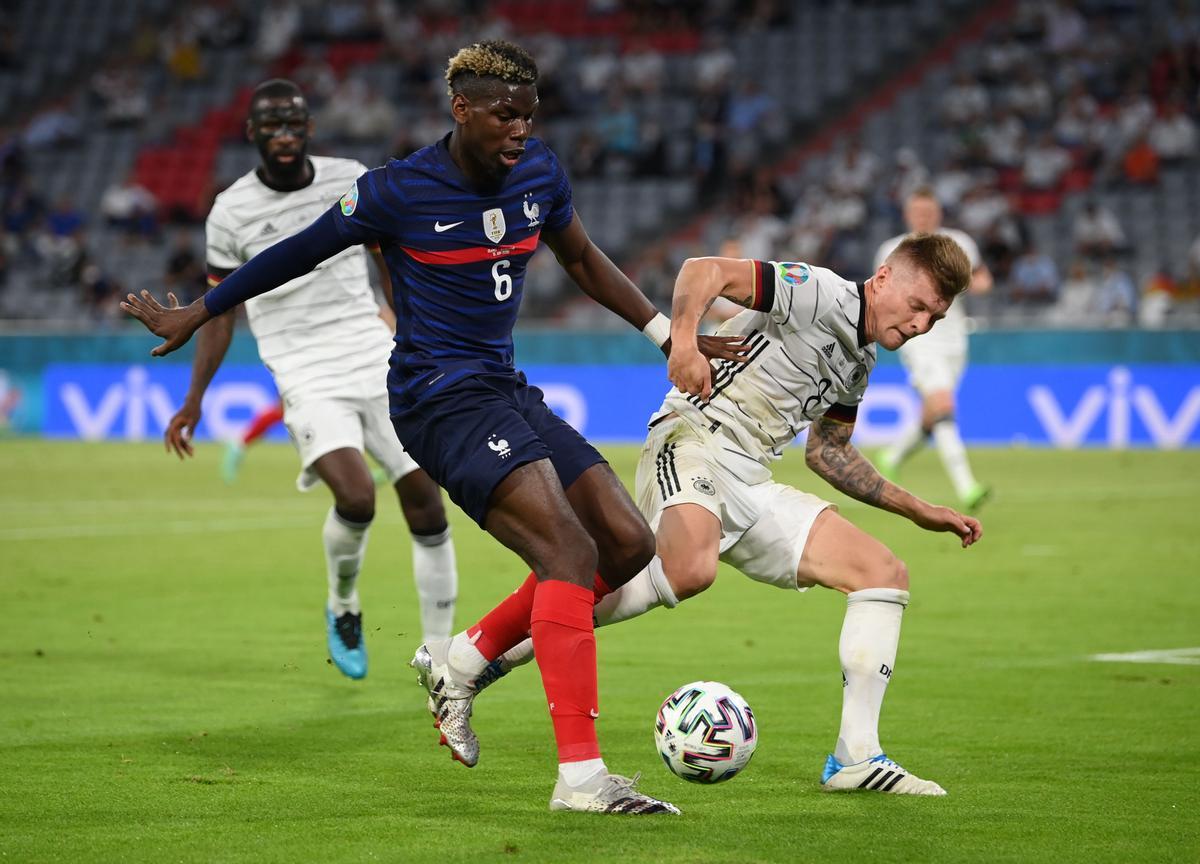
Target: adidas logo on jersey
[[827, 350]]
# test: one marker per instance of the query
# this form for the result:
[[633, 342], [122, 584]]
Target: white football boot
[[451, 697], [877, 774], [608, 793]]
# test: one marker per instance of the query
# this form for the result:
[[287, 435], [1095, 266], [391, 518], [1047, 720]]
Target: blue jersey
[[457, 259]]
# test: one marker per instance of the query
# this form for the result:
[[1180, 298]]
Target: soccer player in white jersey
[[704, 480], [936, 362], [324, 339]]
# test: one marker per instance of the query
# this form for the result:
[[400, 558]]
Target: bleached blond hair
[[491, 59]]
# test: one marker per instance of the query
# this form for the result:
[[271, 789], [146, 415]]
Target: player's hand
[[944, 519], [734, 348], [690, 372], [180, 430], [174, 323]]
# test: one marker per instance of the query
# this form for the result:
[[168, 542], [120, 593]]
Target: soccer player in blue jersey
[[457, 223]]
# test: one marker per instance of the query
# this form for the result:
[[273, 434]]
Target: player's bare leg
[[841, 556], [435, 570], [346, 474], [531, 515], [624, 542]]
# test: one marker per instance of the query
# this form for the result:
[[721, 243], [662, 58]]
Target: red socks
[[508, 624], [262, 421], [565, 647]]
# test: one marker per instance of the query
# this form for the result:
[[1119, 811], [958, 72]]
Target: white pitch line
[[1170, 656], [181, 526]]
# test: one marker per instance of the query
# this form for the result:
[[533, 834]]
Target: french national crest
[[493, 224]]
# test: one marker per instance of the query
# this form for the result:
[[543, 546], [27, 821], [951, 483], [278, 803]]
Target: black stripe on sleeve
[[764, 286], [840, 413]]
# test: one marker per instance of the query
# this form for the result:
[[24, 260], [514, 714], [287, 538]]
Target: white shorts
[[933, 367], [764, 524], [357, 418]]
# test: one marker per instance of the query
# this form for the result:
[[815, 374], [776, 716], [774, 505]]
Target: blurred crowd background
[[1061, 135]]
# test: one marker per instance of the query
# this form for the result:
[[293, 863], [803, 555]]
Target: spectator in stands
[[358, 112], [1045, 164], [642, 68], [1004, 139], [1034, 277], [1065, 28], [597, 69], [1135, 113], [587, 155], [131, 207], [618, 130], [965, 101], [1117, 296], [278, 27], [1030, 98], [99, 294], [1097, 232], [184, 273], [1173, 134], [1078, 299], [855, 170], [121, 92], [714, 62], [180, 47], [52, 127], [951, 183], [1140, 165], [1159, 291]]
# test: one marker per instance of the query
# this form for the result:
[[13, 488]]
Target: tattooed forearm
[[830, 454]]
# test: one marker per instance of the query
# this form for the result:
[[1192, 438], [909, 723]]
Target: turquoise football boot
[[346, 646]]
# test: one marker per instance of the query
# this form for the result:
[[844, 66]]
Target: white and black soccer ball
[[705, 732]]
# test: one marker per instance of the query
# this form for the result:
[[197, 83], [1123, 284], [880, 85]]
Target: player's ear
[[311, 126], [460, 107], [250, 130]]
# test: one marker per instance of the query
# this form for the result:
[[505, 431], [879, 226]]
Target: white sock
[[436, 575], [464, 657], [345, 546], [516, 656], [954, 455], [906, 445], [640, 594], [575, 774], [870, 635]]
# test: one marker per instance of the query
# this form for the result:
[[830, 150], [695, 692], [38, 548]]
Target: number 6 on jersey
[[503, 280]]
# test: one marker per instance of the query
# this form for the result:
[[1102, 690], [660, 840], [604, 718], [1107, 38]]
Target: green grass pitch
[[165, 694]]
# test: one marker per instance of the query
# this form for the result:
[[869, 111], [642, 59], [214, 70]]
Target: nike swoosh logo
[[439, 227]]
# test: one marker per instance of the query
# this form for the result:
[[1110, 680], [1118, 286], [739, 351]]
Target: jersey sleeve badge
[[349, 201], [793, 274]]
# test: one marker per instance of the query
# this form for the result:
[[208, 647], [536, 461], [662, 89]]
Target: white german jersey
[[949, 334], [807, 355], [322, 329]]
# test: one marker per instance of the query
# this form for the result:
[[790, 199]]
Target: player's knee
[[357, 504], [891, 573], [424, 514], [688, 578], [631, 548]]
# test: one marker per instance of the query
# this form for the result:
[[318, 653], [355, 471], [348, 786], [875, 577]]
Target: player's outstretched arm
[[601, 279], [830, 454], [275, 265], [211, 346]]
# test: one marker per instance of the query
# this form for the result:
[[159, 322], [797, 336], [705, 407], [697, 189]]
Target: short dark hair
[[494, 59], [941, 257], [274, 88]]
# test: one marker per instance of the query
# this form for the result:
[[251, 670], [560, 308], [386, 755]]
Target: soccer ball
[[705, 732]]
